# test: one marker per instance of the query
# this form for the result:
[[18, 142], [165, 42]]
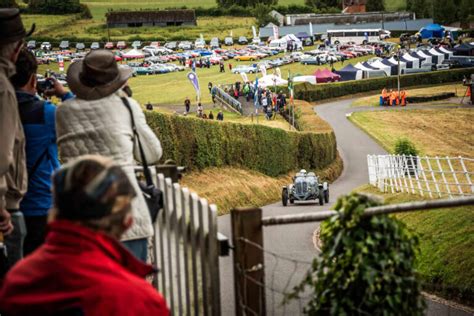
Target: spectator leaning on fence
[[13, 174], [38, 119], [82, 269], [97, 121]]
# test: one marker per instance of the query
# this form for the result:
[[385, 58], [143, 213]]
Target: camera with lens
[[44, 84]]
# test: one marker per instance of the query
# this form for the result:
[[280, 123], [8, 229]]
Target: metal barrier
[[228, 100], [185, 249], [433, 176]]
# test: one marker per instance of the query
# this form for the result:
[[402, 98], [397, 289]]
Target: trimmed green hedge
[[311, 93], [197, 144]]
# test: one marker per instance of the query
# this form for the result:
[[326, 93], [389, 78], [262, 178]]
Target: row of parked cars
[[172, 45]]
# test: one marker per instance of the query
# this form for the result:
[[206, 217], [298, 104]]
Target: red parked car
[[109, 45], [121, 45]]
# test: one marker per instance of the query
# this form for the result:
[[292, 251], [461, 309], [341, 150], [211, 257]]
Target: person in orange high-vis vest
[[403, 96], [384, 96], [390, 97], [397, 97], [393, 98]]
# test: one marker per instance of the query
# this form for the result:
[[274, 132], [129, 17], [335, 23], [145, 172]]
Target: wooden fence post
[[249, 276]]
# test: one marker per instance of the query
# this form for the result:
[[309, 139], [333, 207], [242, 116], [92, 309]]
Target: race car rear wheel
[[326, 196], [284, 197]]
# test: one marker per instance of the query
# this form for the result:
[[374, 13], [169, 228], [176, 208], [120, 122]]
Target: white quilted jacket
[[104, 127]]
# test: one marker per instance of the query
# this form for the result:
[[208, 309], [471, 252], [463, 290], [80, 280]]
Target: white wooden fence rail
[[426, 176], [185, 250]]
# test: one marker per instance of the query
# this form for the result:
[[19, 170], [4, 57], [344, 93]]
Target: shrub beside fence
[[198, 143], [312, 93]]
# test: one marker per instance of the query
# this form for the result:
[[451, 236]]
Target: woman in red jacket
[[82, 269]]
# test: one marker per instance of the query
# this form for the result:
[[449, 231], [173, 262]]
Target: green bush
[[366, 265], [54, 6], [198, 144], [312, 93], [404, 146]]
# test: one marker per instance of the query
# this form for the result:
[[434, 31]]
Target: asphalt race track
[[293, 243]]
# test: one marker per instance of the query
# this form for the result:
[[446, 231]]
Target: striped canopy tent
[[426, 59], [350, 73], [403, 65], [370, 71], [386, 68], [440, 56], [411, 61], [447, 53], [434, 58]]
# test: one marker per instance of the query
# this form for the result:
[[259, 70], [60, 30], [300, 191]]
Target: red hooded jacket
[[79, 268]]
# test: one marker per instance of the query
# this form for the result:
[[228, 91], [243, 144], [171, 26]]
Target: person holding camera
[[38, 120]]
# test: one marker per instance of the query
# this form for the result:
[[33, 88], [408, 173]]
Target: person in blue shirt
[[38, 120]]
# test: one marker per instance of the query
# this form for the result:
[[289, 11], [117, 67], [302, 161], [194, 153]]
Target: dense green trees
[[442, 11], [245, 3], [7, 4], [54, 6], [375, 5], [323, 4]]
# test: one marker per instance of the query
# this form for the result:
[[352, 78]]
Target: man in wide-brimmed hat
[[97, 121], [13, 175]]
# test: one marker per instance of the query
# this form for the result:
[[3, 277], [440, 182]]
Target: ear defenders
[[85, 203]]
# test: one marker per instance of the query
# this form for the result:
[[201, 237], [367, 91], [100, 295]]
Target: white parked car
[[244, 69], [45, 46]]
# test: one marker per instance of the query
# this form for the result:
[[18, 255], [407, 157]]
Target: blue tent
[[350, 73], [431, 31]]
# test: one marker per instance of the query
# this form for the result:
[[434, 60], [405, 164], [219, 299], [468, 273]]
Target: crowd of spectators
[[76, 235]]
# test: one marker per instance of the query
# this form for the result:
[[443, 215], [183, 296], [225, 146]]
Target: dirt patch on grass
[[233, 187]]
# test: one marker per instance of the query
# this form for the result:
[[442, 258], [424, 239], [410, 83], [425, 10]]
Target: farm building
[[151, 18]]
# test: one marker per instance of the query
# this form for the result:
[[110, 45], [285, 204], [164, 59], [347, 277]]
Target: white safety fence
[[185, 250], [426, 176]]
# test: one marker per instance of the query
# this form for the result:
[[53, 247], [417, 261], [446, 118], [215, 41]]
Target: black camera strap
[[146, 169]]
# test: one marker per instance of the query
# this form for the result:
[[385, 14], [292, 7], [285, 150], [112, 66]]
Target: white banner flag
[[275, 32], [263, 70], [278, 72], [244, 77], [254, 31]]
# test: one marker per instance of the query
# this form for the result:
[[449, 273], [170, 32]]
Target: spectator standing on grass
[[264, 103], [200, 109], [13, 173], [98, 121], [221, 67], [187, 105], [211, 116], [38, 119], [230, 66], [220, 116], [209, 86], [82, 269]]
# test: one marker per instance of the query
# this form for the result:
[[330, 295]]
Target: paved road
[[295, 241]]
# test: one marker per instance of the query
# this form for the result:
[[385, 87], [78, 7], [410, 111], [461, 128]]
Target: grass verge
[[435, 132], [373, 100], [234, 187], [446, 253]]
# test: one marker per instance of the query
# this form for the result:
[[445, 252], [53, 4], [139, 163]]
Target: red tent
[[325, 75]]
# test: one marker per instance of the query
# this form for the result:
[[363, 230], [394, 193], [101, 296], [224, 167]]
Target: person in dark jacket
[[220, 116], [38, 120], [82, 269]]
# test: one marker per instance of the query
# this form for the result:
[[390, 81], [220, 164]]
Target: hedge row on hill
[[197, 144], [311, 93]]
